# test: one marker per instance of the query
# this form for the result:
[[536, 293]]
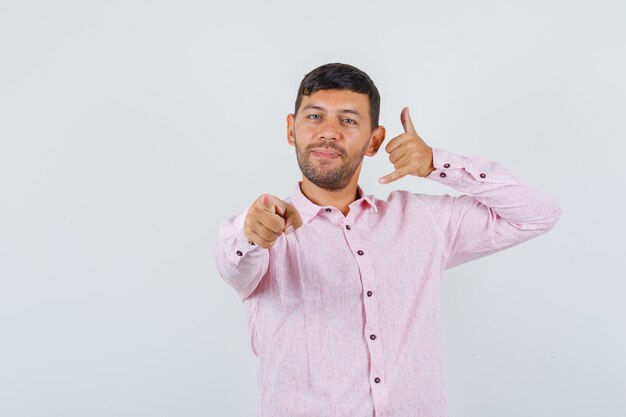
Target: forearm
[[496, 211], [240, 263], [521, 205]]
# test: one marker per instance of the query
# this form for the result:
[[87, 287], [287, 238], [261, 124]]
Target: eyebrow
[[312, 106]]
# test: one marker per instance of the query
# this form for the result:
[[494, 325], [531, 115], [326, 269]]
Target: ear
[[376, 139], [291, 126]]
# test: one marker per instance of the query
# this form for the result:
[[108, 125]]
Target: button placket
[[477, 172], [371, 330]]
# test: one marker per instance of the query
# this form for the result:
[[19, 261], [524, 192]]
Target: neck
[[336, 198]]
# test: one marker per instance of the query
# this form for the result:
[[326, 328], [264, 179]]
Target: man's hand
[[408, 153], [268, 218]]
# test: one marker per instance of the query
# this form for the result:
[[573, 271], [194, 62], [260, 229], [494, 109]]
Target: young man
[[341, 288]]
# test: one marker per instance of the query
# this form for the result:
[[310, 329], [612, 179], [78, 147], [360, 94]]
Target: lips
[[327, 152]]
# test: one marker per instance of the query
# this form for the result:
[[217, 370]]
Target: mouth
[[325, 153]]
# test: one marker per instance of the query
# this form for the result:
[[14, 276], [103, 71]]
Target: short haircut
[[343, 77]]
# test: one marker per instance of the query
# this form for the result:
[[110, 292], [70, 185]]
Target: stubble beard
[[329, 174]]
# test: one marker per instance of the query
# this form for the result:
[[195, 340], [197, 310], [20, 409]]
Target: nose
[[330, 129]]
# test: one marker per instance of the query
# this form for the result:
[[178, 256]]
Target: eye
[[312, 115], [351, 121]]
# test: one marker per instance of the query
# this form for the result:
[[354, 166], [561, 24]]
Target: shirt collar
[[308, 209]]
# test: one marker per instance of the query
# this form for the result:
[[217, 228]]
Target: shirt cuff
[[465, 173], [242, 246], [448, 167]]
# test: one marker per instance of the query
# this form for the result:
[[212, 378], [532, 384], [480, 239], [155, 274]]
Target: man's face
[[335, 122]]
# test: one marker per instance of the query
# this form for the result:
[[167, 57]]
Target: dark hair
[[343, 77]]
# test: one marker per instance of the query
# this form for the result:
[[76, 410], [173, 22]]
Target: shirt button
[[348, 226], [377, 380], [372, 336], [327, 210], [360, 252], [482, 175], [442, 175], [239, 253], [369, 293], [446, 165], [252, 243]]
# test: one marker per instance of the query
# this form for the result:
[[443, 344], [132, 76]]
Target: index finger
[[269, 204]]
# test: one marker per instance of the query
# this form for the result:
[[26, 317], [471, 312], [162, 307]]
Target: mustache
[[321, 146]]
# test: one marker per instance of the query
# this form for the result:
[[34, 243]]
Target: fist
[[268, 217]]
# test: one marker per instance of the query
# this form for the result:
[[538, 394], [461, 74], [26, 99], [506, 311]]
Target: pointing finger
[[271, 205]]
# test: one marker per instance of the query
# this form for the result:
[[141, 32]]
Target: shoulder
[[408, 197]]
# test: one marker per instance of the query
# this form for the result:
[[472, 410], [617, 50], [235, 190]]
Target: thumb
[[405, 118]]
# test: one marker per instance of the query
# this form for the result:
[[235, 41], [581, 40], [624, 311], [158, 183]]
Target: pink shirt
[[343, 313]]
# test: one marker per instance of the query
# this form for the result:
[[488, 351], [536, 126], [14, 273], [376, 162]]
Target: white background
[[129, 130]]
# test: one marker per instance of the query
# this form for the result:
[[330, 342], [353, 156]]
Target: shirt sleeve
[[241, 263], [498, 210]]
